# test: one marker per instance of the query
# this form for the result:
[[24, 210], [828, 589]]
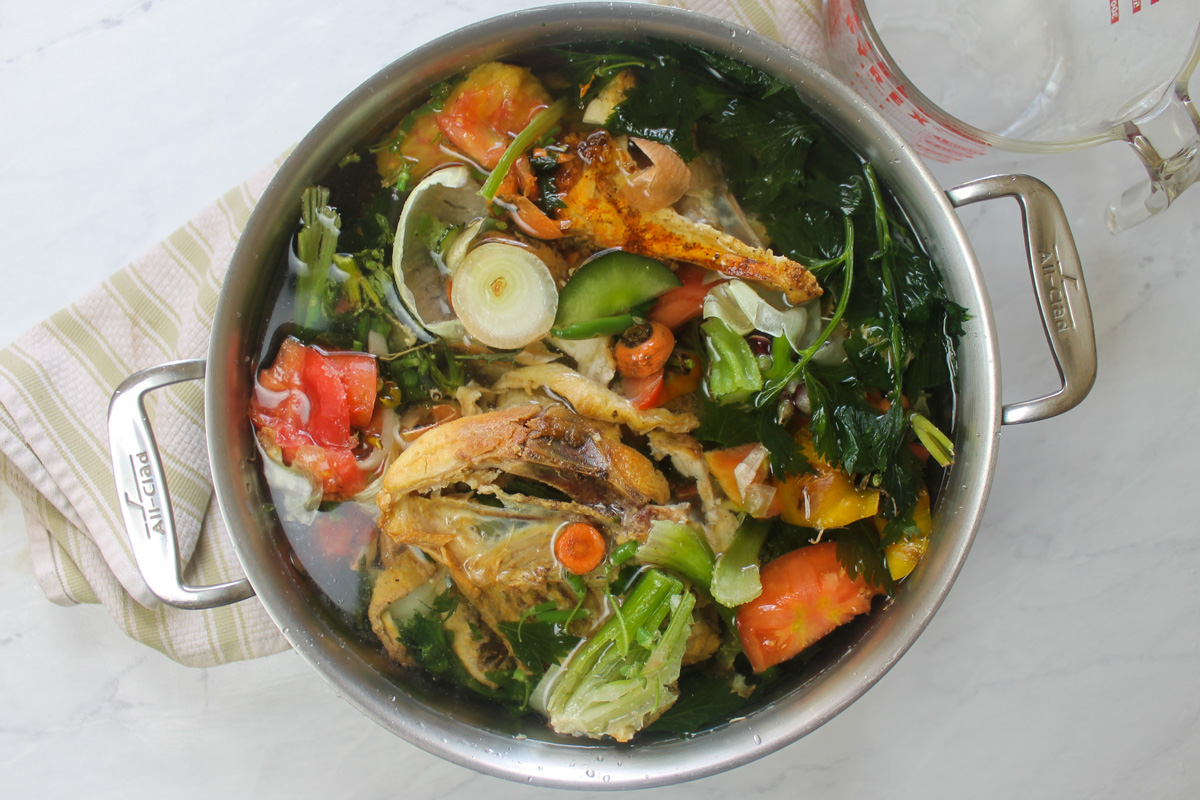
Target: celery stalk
[[316, 244], [605, 689], [538, 127], [735, 577], [937, 443], [681, 549]]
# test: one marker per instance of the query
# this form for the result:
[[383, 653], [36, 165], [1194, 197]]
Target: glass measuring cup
[[959, 77]]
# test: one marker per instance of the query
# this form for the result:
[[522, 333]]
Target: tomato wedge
[[309, 404], [805, 594]]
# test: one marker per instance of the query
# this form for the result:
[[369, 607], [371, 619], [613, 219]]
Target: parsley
[[860, 552], [786, 458], [733, 425], [704, 698], [724, 426], [426, 640], [539, 639]]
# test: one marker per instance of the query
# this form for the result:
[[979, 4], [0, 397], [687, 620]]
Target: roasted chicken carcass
[[599, 204], [456, 495]]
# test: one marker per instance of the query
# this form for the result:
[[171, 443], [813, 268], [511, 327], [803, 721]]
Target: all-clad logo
[[147, 501], [1055, 283]]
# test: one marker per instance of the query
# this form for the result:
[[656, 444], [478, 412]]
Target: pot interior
[[846, 664]]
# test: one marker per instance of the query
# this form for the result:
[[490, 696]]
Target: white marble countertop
[[1063, 664]]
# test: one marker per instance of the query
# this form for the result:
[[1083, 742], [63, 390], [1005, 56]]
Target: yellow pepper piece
[[827, 499], [902, 556]]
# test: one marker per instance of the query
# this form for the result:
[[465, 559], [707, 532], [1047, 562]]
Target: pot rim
[[579, 764]]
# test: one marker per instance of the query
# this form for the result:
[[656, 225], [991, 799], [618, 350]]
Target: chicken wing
[[597, 206]]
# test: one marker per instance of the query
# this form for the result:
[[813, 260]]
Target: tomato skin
[[686, 302], [644, 393], [805, 595], [328, 415], [308, 404], [359, 375], [489, 108], [420, 150]]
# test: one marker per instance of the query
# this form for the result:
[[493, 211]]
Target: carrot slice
[[580, 548]]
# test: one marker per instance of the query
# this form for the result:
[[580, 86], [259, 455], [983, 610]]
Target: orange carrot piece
[[580, 548], [643, 350]]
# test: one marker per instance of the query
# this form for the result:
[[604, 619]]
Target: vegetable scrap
[[613, 383]]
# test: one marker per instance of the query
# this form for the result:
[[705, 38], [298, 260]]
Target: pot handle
[[1058, 285], [142, 487]]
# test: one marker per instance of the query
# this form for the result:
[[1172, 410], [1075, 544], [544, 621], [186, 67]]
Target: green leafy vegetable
[[860, 552], [777, 384], [426, 639], [724, 426], [626, 671], [900, 528], [540, 638], [591, 70], [704, 698], [786, 458]]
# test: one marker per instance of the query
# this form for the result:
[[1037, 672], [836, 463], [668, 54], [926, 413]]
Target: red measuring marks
[[931, 133]]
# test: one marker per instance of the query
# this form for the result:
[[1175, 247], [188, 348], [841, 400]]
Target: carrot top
[[643, 350]]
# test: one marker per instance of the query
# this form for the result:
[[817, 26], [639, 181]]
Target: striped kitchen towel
[[55, 384], [56, 381]]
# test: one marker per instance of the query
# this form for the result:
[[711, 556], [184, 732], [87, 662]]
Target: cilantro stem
[[883, 235], [545, 119], [775, 386]]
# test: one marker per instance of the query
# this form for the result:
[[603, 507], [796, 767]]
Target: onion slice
[[504, 295]]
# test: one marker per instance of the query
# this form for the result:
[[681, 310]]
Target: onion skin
[[662, 184], [532, 220]]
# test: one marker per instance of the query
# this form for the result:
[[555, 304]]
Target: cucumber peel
[[612, 284]]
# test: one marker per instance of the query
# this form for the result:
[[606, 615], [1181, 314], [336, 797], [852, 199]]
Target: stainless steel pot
[[466, 733]]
